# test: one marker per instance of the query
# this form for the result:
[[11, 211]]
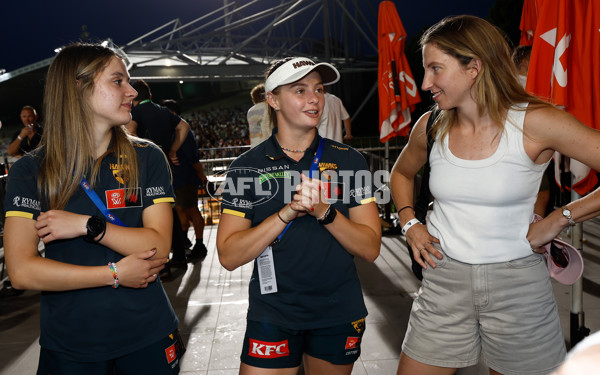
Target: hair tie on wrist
[[400, 210], [280, 218]]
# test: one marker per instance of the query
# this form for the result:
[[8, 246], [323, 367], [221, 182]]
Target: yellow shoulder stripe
[[367, 200], [235, 213], [164, 200], [26, 215]]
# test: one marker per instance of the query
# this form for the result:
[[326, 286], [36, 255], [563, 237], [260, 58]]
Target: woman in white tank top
[[493, 141]]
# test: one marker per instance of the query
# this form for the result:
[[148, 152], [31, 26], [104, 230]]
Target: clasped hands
[[309, 199]]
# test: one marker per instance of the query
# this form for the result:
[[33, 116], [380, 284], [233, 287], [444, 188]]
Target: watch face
[[95, 226], [567, 212]]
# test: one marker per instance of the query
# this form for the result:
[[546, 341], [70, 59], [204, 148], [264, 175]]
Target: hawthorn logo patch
[[117, 173], [263, 349], [359, 325]]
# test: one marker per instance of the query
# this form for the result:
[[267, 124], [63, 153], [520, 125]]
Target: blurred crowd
[[220, 131]]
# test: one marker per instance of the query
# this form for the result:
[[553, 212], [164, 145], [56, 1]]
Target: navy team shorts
[[270, 346], [162, 358]]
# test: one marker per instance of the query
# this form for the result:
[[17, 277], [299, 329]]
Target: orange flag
[[398, 91], [528, 24], [564, 67]]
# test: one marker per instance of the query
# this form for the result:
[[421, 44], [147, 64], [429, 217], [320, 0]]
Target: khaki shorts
[[505, 311]]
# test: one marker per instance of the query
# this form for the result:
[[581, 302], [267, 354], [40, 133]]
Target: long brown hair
[[496, 87], [67, 142]]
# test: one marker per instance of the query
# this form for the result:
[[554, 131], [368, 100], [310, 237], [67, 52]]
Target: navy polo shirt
[[188, 155], [98, 324], [156, 123], [317, 281]]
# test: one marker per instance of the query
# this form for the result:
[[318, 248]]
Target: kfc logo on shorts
[[352, 342], [171, 353], [263, 349]]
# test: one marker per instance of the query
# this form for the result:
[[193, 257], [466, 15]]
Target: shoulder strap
[[424, 197]]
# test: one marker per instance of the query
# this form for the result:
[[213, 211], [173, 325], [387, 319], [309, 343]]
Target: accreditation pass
[[266, 272]]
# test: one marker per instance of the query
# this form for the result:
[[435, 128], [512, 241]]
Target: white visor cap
[[296, 69]]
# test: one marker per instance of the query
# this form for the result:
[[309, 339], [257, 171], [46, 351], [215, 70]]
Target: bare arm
[[348, 128], [360, 234], [181, 131], [28, 270], [411, 159], [14, 148], [238, 243], [548, 130], [155, 234], [200, 171]]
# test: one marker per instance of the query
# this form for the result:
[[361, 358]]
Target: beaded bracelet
[[113, 269]]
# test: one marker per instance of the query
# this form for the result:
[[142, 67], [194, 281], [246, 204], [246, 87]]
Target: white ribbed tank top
[[483, 208]]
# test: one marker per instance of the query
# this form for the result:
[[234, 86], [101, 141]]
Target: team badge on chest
[[123, 198]]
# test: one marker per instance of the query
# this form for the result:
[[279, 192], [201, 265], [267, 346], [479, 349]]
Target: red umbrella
[[398, 92], [564, 67]]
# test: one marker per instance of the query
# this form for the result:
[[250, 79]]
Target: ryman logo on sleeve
[[155, 190], [26, 203]]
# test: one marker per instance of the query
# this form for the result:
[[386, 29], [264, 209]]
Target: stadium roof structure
[[238, 41]]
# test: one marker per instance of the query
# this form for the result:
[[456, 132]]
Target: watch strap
[[95, 227], [328, 216], [567, 214]]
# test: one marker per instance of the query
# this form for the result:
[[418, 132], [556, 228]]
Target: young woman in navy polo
[[99, 200], [305, 300]]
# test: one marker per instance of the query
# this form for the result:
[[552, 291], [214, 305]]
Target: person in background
[[259, 126], [520, 57], [27, 138], [334, 116], [156, 123], [100, 201], [305, 298], [486, 288], [167, 130], [187, 176]]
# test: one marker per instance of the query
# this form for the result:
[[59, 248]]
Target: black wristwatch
[[95, 226], [329, 216]]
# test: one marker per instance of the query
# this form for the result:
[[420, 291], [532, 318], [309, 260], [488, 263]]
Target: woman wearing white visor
[[305, 299]]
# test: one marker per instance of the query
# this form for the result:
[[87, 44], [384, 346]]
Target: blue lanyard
[[314, 168], [98, 202]]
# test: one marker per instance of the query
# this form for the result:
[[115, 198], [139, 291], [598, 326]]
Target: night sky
[[31, 30]]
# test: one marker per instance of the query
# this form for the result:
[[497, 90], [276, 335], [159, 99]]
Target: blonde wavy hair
[[67, 143], [496, 87]]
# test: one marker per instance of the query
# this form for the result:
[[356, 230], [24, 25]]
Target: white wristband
[[409, 224], [19, 137]]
